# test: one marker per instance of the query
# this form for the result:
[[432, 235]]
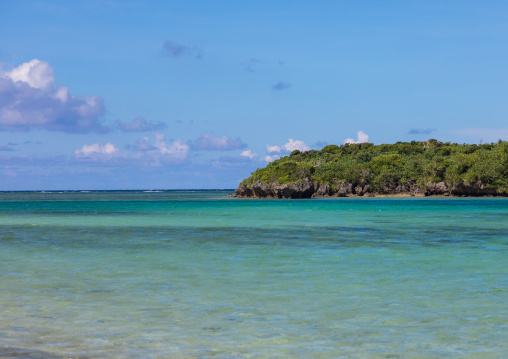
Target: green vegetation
[[415, 162]]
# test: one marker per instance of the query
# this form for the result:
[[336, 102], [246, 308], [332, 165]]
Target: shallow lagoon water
[[200, 275]]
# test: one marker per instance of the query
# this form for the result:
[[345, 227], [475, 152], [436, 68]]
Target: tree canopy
[[416, 162]]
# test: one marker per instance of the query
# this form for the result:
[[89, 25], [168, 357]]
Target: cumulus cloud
[[272, 149], [160, 152], [269, 158], [174, 50], [98, 152], [362, 137], [37, 74], [279, 86], [296, 145], [144, 153], [290, 146], [140, 125], [30, 98], [249, 154], [418, 131], [208, 142], [177, 150]]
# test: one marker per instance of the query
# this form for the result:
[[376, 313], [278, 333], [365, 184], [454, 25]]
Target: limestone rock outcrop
[[308, 189]]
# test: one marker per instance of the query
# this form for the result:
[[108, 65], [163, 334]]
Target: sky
[[109, 94]]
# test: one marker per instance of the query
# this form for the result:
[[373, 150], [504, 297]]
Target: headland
[[403, 169]]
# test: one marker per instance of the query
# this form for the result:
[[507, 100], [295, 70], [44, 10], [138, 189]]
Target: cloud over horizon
[[31, 99], [144, 153], [98, 152], [208, 142]]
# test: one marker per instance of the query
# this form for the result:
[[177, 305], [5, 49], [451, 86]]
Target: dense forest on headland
[[404, 168]]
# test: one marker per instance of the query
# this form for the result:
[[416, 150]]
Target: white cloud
[[285, 149], [248, 153], [362, 138], [272, 149], [98, 152], [37, 74], [296, 145], [271, 158], [208, 142], [62, 93], [177, 150], [30, 98], [144, 153]]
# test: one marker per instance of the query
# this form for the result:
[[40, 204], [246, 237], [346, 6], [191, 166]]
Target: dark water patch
[[21, 353], [127, 237]]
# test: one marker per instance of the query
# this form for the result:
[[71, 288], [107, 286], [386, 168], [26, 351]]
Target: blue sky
[[110, 94]]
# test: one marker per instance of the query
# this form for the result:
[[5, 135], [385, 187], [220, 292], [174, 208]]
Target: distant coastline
[[118, 190]]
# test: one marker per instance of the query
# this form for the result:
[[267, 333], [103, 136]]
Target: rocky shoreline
[[310, 189]]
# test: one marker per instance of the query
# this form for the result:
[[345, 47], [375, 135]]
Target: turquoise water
[[200, 275]]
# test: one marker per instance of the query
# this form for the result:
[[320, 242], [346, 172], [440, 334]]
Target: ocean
[[195, 274]]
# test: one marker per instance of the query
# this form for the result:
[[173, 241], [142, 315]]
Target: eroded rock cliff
[[309, 189]]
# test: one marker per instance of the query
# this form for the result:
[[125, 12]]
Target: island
[[417, 168]]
